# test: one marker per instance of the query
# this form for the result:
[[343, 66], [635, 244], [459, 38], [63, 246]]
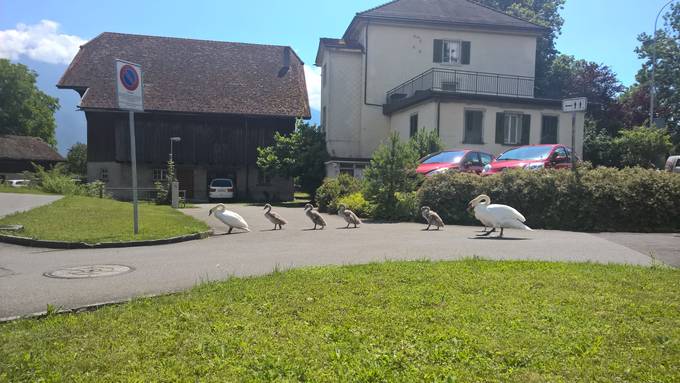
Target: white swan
[[229, 218], [496, 216], [349, 216], [315, 216]]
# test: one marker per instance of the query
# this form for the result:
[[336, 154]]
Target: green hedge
[[332, 189], [602, 199]]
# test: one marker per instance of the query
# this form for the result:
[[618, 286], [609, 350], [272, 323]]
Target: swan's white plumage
[[230, 218], [498, 216]]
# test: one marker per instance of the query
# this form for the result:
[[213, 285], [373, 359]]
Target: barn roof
[[27, 149], [192, 76]]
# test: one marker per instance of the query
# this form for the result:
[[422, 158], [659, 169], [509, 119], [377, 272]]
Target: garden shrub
[[601, 199], [392, 171], [358, 204], [332, 189]]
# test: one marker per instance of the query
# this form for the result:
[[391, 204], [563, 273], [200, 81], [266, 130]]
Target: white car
[[673, 164], [17, 183], [221, 188]]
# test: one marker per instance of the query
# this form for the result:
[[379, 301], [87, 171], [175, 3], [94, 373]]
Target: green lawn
[[22, 190], [92, 220], [465, 321]]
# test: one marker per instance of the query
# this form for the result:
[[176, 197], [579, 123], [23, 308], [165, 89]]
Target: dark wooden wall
[[206, 139]]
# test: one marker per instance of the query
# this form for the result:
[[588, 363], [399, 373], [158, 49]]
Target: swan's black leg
[[487, 233], [315, 226], [428, 227], [230, 229], [347, 227], [501, 234]]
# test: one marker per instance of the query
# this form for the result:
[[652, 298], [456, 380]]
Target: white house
[[454, 66]]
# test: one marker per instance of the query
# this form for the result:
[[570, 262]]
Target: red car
[[463, 160], [531, 157]]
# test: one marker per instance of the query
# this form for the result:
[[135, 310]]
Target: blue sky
[[597, 30]]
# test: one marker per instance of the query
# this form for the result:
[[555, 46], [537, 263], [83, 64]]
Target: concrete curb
[[31, 242]]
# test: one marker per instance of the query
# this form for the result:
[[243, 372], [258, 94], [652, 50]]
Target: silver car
[[673, 164]]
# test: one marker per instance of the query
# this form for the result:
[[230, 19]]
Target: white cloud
[[40, 42], [313, 79]]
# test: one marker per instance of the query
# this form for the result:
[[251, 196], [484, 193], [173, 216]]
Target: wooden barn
[[223, 99], [19, 153]]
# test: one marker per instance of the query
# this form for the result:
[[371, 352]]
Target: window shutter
[[437, 51], [499, 127], [465, 58], [526, 129]]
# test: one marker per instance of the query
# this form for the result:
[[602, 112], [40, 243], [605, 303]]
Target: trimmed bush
[[358, 204], [602, 199], [332, 189]]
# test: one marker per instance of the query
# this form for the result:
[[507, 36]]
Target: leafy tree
[[545, 13], [424, 143], [598, 147], [643, 147], [392, 171], [301, 154], [667, 73], [597, 82], [24, 109], [76, 159]]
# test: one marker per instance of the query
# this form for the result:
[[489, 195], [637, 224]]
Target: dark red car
[[463, 160], [531, 157]]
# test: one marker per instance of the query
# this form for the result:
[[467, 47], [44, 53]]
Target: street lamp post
[[652, 90], [173, 139]]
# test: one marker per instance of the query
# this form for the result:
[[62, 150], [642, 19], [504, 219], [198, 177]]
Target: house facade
[[222, 99], [456, 67]]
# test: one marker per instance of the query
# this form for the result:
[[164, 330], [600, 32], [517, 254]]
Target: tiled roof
[[454, 12], [26, 148], [193, 76]]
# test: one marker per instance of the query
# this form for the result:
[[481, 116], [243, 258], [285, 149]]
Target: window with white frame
[[159, 175], [512, 130], [451, 52], [104, 175]]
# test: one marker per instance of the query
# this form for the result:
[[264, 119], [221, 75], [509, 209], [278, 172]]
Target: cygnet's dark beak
[[209, 213]]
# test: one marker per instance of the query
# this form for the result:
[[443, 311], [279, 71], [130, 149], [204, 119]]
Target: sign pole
[[573, 141], [129, 90], [133, 155]]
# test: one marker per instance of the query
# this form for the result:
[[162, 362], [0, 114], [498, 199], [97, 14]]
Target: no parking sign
[[129, 86]]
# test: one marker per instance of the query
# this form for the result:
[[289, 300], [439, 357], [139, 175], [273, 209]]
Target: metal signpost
[[574, 105], [130, 97]]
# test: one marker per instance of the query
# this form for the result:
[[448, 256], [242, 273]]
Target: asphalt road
[[11, 203], [162, 269]]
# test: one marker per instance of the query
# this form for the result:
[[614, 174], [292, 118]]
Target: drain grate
[[89, 271]]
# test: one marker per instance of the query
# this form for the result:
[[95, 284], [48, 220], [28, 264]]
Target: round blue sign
[[129, 77]]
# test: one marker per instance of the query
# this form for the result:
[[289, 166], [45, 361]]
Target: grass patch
[[92, 220], [21, 190], [461, 321]]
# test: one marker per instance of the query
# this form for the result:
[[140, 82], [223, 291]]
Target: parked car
[[17, 183], [462, 160], [673, 164], [531, 157], [221, 188]]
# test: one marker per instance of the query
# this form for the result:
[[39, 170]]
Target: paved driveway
[[11, 203], [162, 269]]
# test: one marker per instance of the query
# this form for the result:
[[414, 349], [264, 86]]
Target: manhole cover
[[89, 271]]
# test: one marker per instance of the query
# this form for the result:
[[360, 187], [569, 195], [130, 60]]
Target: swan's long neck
[[269, 208]]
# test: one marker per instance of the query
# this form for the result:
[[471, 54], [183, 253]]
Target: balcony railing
[[459, 81]]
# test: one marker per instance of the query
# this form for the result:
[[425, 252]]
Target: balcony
[[459, 81]]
